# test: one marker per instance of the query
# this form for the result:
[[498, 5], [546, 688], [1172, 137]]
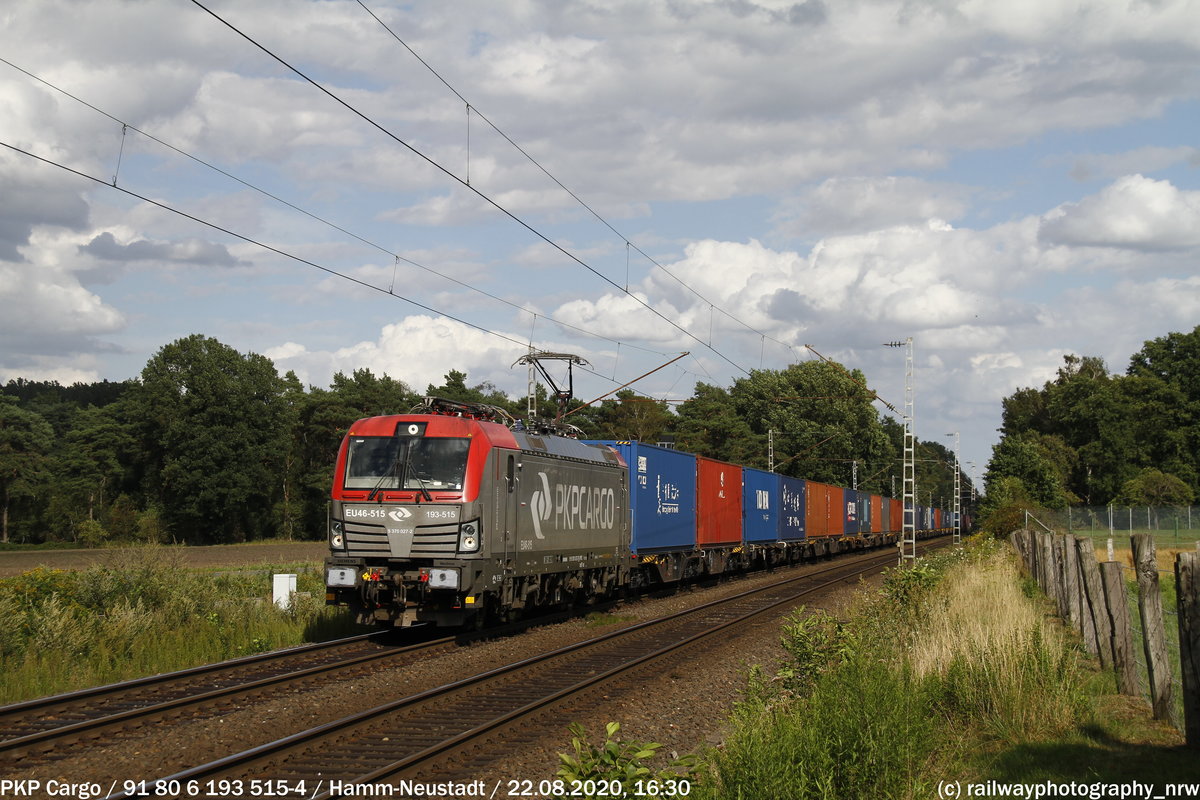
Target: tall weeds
[[879, 705], [142, 613]]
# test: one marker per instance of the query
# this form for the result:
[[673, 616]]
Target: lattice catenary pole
[[908, 535]]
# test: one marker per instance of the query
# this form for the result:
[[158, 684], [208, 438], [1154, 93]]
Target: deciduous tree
[[213, 425], [25, 443]]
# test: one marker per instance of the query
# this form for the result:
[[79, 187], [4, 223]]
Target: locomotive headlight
[[336, 535], [468, 537]]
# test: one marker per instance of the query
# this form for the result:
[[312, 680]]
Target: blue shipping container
[[791, 508], [760, 505], [662, 496], [850, 509]]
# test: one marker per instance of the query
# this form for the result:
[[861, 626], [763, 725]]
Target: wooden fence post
[[1058, 575], [1117, 604], [1064, 578], [1035, 556], [1017, 540], [1031, 543], [1073, 586], [1187, 589], [1153, 633], [1095, 614], [1045, 553]]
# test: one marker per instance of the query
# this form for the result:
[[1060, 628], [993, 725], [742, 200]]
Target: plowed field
[[14, 562]]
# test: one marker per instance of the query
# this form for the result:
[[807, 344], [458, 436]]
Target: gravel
[[683, 707]]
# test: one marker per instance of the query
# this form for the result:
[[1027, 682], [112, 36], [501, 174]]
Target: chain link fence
[[1171, 526]]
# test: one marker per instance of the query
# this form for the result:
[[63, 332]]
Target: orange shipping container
[[824, 510], [718, 503], [876, 514]]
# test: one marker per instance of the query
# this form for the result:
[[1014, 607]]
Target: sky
[[418, 187]]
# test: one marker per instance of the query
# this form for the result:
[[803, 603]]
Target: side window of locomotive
[[372, 462], [437, 464]]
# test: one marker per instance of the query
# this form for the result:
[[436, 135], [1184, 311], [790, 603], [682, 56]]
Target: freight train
[[457, 515]]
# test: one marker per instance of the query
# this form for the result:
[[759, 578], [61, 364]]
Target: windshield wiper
[[407, 468], [391, 473]]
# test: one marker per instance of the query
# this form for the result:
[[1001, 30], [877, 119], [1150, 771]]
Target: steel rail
[[305, 741], [74, 702]]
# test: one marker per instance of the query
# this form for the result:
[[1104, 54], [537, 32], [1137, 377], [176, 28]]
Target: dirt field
[[230, 555]]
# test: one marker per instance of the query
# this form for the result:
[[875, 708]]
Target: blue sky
[[1005, 183]]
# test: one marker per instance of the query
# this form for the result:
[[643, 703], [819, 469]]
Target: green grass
[[956, 671], [21, 546], [862, 732], [1121, 743], [143, 613], [1182, 539]]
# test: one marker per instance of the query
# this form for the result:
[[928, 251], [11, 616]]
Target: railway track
[[39, 726], [423, 734]]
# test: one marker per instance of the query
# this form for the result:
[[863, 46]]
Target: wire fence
[[1161, 521], [1173, 528]]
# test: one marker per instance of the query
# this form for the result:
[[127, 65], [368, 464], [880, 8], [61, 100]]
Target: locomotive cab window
[[388, 462]]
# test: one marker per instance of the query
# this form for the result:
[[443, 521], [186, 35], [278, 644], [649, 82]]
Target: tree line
[[209, 445], [1089, 437]]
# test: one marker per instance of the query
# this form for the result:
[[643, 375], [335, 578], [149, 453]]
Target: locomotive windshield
[[391, 462]]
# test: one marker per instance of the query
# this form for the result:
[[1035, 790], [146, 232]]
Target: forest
[[1092, 438], [209, 445]]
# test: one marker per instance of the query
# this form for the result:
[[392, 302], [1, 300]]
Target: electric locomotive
[[447, 515]]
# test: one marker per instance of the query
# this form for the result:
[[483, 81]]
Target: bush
[[91, 533], [815, 642], [599, 770]]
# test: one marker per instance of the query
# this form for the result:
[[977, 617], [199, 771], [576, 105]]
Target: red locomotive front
[[430, 520]]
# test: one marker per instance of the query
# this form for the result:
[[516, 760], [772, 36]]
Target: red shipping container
[[876, 514], [718, 503], [897, 516]]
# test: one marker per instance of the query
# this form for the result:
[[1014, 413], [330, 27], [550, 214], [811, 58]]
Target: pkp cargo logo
[[539, 506], [573, 507]]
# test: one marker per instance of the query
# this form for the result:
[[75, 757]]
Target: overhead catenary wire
[[257, 243], [874, 395], [397, 258], [278, 251], [628, 243], [474, 189]]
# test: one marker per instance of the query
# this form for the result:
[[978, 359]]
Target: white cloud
[[1134, 213], [625, 317], [48, 312], [841, 205], [418, 350]]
